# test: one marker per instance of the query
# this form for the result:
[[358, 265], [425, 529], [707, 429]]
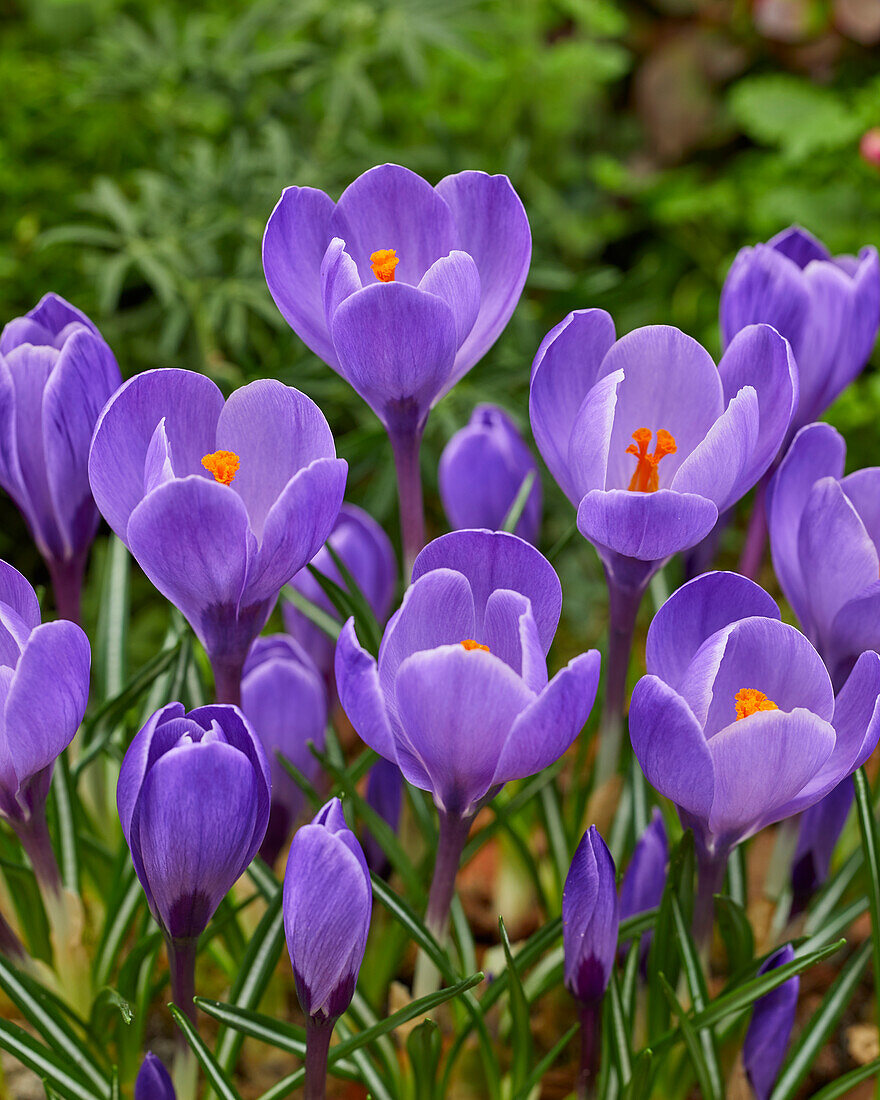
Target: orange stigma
[[470, 644], [646, 478], [223, 465], [749, 701], [383, 264]]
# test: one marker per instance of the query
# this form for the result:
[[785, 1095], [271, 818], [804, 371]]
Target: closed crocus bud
[[770, 1027], [56, 374], [827, 307], [366, 552], [482, 469], [193, 799], [220, 502], [284, 699], [643, 882], [590, 919], [384, 795], [153, 1080], [327, 906]]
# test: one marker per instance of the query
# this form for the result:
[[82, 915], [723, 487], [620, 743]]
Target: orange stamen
[[383, 264], [470, 644], [223, 465], [750, 701], [646, 478]]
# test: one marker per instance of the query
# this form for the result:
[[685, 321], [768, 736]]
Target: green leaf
[[113, 616], [699, 997], [63, 796], [349, 605], [519, 503], [871, 850], [736, 931], [216, 1077], [65, 1078], [705, 1077], [639, 1087], [125, 899], [521, 1034], [802, 1056], [364, 617], [317, 615], [663, 957], [620, 1042], [424, 1046], [843, 1085]]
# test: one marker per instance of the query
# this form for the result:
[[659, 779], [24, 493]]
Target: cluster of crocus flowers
[[736, 721], [220, 503], [327, 906], [401, 287], [56, 374], [651, 441], [460, 699], [482, 471]]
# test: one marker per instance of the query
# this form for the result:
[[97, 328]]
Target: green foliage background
[[143, 145]]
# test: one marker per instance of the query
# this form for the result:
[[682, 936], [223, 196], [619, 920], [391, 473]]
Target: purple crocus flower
[[590, 919], [827, 307], [153, 1080], [645, 878], [56, 374], [220, 503], [366, 552], [400, 287], [327, 905], [385, 796], [193, 800], [770, 1027], [44, 670], [736, 721], [284, 698], [460, 698], [482, 469], [598, 407]]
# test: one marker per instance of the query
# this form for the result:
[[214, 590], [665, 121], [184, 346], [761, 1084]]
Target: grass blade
[[217, 1078]]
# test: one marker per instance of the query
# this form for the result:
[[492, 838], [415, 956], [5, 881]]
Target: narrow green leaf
[[639, 1087], [216, 1077], [699, 996], [537, 1074], [519, 503], [317, 615], [125, 900], [63, 795], [736, 931], [802, 1056], [521, 1034], [113, 616], [424, 1046], [663, 957], [364, 616], [52, 1067], [248, 1023], [871, 849], [843, 1085], [708, 1085], [620, 1040]]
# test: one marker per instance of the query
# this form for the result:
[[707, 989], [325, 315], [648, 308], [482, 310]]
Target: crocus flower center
[[749, 701], [646, 478], [469, 643], [223, 465], [383, 264]]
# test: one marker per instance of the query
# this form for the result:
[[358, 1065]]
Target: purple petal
[[296, 237], [817, 451], [153, 1081], [18, 594], [856, 628], [770, 1027], [391, 207], [765, 286], [799, 245], [458, 707], [761, 763], [642, 885], [158, 464], [694, 613], [455, 279], [145, 749], [670, 746], [191, 405], [549, 725], [396, 345], [494, 230], [357, 681], [54, 314], [590, 919], [646, 526], [863, 490], [564, 371], [590, 444], [339, 278], [495, 559], [510, 632], [718, 467]]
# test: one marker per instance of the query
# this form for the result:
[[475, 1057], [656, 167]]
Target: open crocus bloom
[[56, 374], [648, 438], [220, 503], [736, 721], [460, 698], [399, 286], [825, 535], [827, 307]]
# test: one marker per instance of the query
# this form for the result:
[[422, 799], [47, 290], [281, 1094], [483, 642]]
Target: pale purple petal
[[590, 919], [646, 526], [717, 468], [357, 681], [455, 279], [510, 632], [339, 278], [590, 442], [765, 286], [770, 1027]]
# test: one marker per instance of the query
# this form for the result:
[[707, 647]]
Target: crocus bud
[[366, 552], [590, 919], [384, 795], [327, 905], [770, 1027], [153, 1081], [481, 471], [56, 374], [284, 698], [642, 886], [45, 674], [193, 799]]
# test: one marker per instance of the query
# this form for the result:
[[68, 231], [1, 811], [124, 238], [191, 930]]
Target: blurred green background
[[144, 144]]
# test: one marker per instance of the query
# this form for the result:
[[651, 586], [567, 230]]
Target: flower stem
[[710, 881], [591, 1024], [227, 681], [11, 946], [454, 831], [756, 536], [406, 441], [318, 1033], [37, 843], [67, 582], [623, 611], [182, 965]]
